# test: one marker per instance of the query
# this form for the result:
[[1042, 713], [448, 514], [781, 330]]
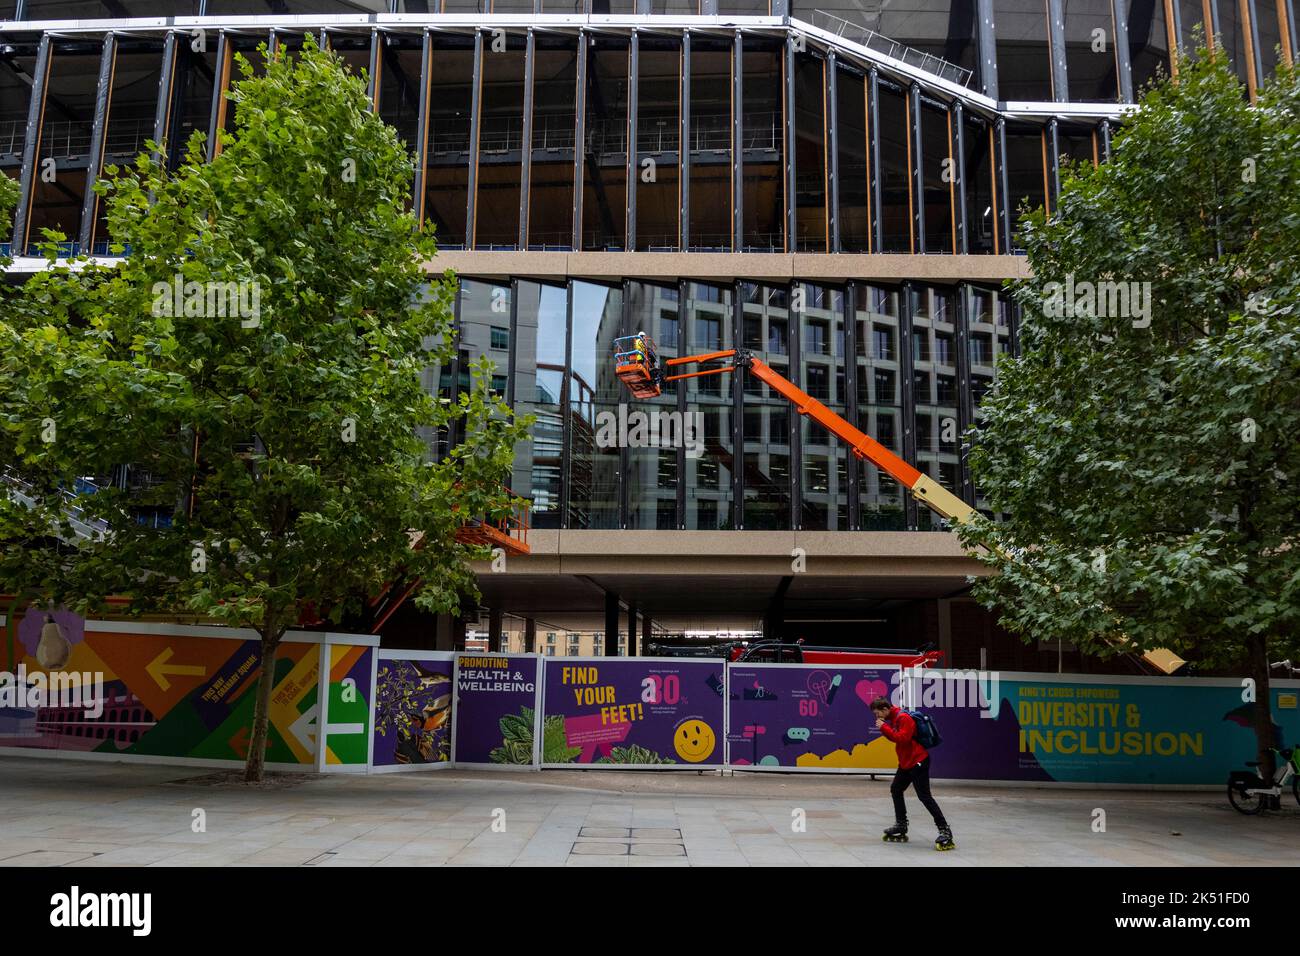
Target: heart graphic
[[869, 690]]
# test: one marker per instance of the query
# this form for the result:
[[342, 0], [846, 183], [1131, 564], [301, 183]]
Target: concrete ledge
[[728, 266], [878, 554]]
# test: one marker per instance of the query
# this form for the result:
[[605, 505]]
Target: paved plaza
[[85, 813]]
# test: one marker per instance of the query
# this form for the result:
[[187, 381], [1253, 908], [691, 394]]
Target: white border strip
[[228, 633]]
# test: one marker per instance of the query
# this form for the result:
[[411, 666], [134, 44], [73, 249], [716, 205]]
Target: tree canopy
[[1142, 448], [257, 360]]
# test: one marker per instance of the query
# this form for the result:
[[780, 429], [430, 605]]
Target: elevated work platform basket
[[636, 363]]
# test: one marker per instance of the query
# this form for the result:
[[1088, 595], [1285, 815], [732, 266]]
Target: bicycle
[[1247, 791]]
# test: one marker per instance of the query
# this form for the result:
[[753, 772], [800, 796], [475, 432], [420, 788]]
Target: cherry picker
[[639, 367]]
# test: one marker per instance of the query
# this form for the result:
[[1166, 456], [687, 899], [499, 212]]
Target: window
[[943, 349], [652, 471], [1024, 60], [500, 338], [763, 148], [882, 343], [815, 339]]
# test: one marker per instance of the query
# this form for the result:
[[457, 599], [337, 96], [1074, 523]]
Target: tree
[[258, 354], [1145, 458]]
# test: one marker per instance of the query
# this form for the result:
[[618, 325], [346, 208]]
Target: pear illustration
[[54, 649]]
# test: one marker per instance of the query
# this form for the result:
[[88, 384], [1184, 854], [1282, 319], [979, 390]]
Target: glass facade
[[1024, 54], [602, 138], [708, 411], [594, 401], [536, 374], [748, 140], [721, 452], [878, 407], [767, 478], [763, 147], [658, 135]]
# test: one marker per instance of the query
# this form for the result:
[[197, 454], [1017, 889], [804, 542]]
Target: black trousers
[[919, 778]]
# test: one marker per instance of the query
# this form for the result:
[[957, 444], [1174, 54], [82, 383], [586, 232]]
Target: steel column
[[789, 116], [526, 143], [422, 130], [633, 175], [832, 152], [737, 142], [1123, 57], [579, 138], [1056, 39], [684, 147], [917, 180], [877, 236], [95, 156], [475, 125], [957, 117], [31, 146], [987, 45]]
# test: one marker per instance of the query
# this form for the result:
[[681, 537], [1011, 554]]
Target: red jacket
[[901, 729]]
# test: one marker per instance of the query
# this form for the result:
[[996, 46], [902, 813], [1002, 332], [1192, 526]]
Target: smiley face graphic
[[694, 741]]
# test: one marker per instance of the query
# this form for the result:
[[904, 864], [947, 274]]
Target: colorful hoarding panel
[[413, 712], [808, 716], [633, 711], [347, 728], [151, 690], [496, 709], [1158, 731]]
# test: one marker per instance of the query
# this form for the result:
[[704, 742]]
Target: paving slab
[[114, 814]]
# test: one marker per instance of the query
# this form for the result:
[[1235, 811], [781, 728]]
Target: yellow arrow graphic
[[158, 669]]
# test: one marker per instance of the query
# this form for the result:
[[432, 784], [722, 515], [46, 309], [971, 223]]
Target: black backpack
[[927, 733]]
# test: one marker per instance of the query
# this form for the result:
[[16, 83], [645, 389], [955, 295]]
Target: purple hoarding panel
[[496, 699], [809, 716], [633, 711], [412, 712]]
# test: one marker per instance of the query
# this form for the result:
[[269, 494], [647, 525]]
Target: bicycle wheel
[[1243, 802]]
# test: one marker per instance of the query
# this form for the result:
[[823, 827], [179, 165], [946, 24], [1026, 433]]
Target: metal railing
[[872, 40], [63, 138], [13, 133], [22, 490], [505, 134]]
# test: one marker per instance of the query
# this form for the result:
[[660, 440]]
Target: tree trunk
[[262, 711], [1262, 712]]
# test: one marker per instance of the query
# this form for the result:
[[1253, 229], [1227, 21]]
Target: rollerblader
[[913, 770]]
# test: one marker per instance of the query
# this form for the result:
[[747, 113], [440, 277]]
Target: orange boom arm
[[637, 365]]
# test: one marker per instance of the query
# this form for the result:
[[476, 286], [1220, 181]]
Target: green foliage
[[9, 191], [1149, 466], [634, 754], [517, 740], [555, 747], [295, 425]]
